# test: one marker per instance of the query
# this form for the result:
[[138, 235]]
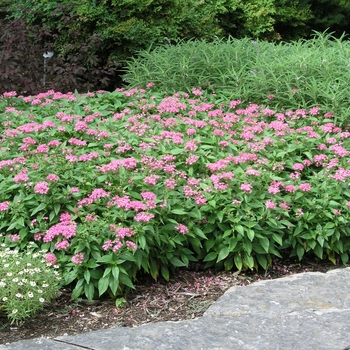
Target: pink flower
[[51, 258], [284, 205], [131, 245], [144, 217], [336, 212], [289, 188], [78, 258], [298, 167], [273, 189], [270, 204], [14, 237], [74, 189], [246, 187], [62, 245], [305, 187], [4, 206], [21, 177], [52, 177], [182, 229], [41, 187], [148, 195], [122, 232]]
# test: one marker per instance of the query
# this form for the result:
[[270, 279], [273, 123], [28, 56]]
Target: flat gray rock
[[287, 332], [309, 311], [39, 344], [311, 291]]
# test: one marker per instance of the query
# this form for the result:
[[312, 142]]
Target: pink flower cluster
[[41, 187]]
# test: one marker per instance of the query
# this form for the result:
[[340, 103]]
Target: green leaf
[[228, 263], [329, 225], [103, 285], [106, 258], [56, 208], [89, 290], [247, 246], [277, 238], [78, 289], [176, 262], [38, 208], [287, 223], [239, 229], [176, 151], [344, 258], [87, 276], [220, 215], [142, 242], [179, 212], [249, 260], [320, 240], [250, 234], [211, 256], [113, 284], [127, 256], [165, 272], [318, 250], [262, 261], [126, 280], [107, 271], [227, 233], [300, 251], [238, 262], [224, 252], [265, 243], [199, 232], [115, 272]]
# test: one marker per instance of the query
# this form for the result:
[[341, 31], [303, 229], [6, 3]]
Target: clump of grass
[[293, 75]]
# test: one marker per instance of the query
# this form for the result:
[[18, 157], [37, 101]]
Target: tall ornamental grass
[[113, 184], [292, 75]]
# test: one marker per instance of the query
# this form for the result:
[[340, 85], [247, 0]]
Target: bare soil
[[187, 295]]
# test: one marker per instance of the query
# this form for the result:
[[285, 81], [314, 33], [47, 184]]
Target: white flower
[[9, 274], [4, 298], [20, 283], [30, 294], [29, 264], [40, 291], [17, 262], [15, 280], [14, 311], [6, 265], [41, 300], [45, 285], [32, 283], [2, 284], [19, 296]]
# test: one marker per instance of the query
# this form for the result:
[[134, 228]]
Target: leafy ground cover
[[118, 184]]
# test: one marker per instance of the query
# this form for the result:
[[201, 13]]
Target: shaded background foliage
[[91, 38]]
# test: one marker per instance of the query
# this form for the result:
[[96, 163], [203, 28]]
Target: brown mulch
[[187, 295]]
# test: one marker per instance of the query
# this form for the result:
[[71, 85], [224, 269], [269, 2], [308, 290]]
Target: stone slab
[[296, 331], [39, 344], [311, 291]]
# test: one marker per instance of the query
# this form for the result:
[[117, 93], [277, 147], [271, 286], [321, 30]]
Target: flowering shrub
[[116, 183], [27, 282]]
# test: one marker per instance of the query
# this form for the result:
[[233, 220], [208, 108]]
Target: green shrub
[[294, 75], [140, 181]]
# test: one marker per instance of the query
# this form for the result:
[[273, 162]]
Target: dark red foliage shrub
[[74, 65]]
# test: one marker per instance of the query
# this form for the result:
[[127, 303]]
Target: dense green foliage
[[141, 181], [284, 75]]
